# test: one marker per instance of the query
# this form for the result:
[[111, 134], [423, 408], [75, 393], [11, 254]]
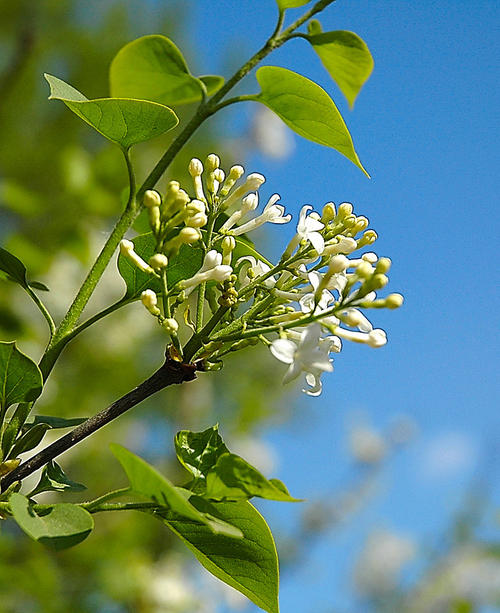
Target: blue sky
[[426, 128]]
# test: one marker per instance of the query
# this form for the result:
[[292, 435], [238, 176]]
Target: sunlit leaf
[[60, 526], [122, 121], [148, 482], [54, 479], [20, 378], [232, 478], [306, 108], [250, 564], [182, 266], [153, 68], [199, 451], [347, 59]]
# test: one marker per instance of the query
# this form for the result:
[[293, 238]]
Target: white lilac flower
[[127, 250], [212, 269], [308, 228], [374, 338], [272, 213], [310, 356], [249, 203], [258, 267], [252, 184]]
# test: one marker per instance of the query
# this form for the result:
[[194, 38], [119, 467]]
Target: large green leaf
[[290, 4], [122, 121], [148, 482], [347, 59], [153, 68], [61, 526], [306, 108], [250, 564], [20, 378], [232, 478], [199, 451], [182, 266]]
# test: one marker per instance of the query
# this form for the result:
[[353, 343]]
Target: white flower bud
[[212, 162], [189, 236], [158, 261], [383, 265], [228, 244], [197, 221], [151, 199], [378, 281], [377, 338], [150, 301], [364, 270], [344, 244], [127, 250], [368, 238], [170, 325], [361, 223], [195, 167], [338, 263], [252, 184], [219, 175], [195, 206], [394, 301], [370, 257], [352, 318], [126, 246], [344, 210]]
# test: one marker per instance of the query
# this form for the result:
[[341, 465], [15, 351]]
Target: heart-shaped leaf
[[121, 120], [61, 526], [347, 59], [182, 266], [199, 451], [148, 482], [249, 565], [306, 108], [20, 378], [153, 68], [232, 478]]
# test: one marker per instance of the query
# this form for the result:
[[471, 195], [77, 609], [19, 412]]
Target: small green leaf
[[182, 266], [37, 285], [153, 68], [290, 4], [306, 108], [232, 478], [199, 451], [123, 121], [61, 526], [58, 422], [20, 378], [13, 268], [346, 58], [29, 440], [53, 479], [148, 482], [249, 565]]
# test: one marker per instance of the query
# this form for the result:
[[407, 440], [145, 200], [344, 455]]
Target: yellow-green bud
[[197, 221], [379, 281], [368, 238], [364, 270], [195, 167], [151, 199], [394, 301], [158, 261], [212, 162], [344, 210], [189, 235], [328, 212], [338, 263], [383, 265], [170, 325]]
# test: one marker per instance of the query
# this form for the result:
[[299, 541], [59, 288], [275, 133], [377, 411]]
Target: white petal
[[292, 373], [283, 350], [317, 241]]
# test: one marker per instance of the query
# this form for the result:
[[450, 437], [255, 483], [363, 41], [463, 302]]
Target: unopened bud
[[170, 325], [361, 223], [383, 265], [394, 301], [370, 257], [338, 263], [344, 210], [212, 162], [151, 199], [219, 175], [368, 238], [378, 281], [189, 235], [328, 212], [158, 261], [352, 318], [235, 173], [197, 221], [364, 270], [195, 167], [150, 301]]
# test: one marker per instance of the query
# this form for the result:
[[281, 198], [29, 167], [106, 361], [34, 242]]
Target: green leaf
[[346, 58], [37, 285], [58, 422], [148, 482], [290, 4], [232, 478], [306, 108], [153, 68], [182, 266], [53, 479], [199, 451], [29, 440], [60, 526], [250, 564], [13, 268], [20, 378], [122, 121]]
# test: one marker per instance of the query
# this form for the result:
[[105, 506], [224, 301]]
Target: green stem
[[104, 498], [196, 341], [203, 286], [124, 506], [43, 310]]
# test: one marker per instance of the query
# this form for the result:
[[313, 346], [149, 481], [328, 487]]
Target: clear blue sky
[[426, 128]]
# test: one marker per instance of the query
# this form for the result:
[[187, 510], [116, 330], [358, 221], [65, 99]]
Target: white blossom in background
[[367, 445], [378, 568], [270, 135]]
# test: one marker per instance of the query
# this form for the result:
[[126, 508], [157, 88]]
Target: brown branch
[[169, 373]]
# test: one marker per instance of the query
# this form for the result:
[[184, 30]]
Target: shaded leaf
[[61, 526], [153, 68], [346, 58], [58, 422], [54, 479], [38, 285], [306, 108], [232, 478], [122, 121], [250, 564], [13, 268], [29, 440], [182, 266], [20, 378], [148, 482], [199, 451]]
